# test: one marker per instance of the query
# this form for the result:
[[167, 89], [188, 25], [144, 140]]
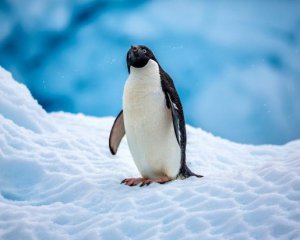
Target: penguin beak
[[134, 52]]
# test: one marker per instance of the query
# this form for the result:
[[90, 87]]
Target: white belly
[[148, 124]]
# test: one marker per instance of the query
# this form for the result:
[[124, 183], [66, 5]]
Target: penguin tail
[[196, 175], [191, 174], [186, 173]]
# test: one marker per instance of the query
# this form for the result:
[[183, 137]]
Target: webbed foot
[[133, 181], [160, 180], [145, 181]]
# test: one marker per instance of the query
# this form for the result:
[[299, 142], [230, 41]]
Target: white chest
[[143, 91], [148, 124]]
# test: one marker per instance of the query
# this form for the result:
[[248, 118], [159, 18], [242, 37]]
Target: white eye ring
[[144, 51]]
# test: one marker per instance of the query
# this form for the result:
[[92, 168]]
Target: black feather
[[173, 102]]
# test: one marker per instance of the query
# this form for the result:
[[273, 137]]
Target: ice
[[58, 180], [235, 64]]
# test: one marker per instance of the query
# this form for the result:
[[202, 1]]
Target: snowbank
[[59, 181]]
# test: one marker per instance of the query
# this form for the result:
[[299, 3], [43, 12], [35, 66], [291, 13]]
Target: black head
[[138, 56]]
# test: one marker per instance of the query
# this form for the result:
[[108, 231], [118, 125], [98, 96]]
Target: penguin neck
[[147, 75]]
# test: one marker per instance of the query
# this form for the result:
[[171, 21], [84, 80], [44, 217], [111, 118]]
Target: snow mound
[[59, 181], [18, 105]]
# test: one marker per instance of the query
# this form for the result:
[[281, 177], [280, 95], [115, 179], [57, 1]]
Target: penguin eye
[[144, 51]]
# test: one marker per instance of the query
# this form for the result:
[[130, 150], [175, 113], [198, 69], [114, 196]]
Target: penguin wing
[[117, 132], [177, 120], [173, 103]]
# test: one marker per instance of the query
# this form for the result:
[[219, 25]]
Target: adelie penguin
[[153, 120]]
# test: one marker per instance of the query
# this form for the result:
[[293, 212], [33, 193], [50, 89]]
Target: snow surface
[[58, 180]]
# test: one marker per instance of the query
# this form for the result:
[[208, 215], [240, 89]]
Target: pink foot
[[133, 181], [160, 180], [145, 181]]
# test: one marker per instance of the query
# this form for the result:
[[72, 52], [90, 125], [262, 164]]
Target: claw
[[142, 184]]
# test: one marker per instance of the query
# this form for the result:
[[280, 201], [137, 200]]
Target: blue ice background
[[236, 64]]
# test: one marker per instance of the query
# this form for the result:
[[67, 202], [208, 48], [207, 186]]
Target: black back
[[173, 102]]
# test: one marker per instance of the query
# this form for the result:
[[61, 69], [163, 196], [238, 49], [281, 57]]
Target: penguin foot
[[133, 181], [145, 181], [160, 180]]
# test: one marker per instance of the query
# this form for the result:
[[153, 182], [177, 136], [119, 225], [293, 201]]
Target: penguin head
[[138, 56]]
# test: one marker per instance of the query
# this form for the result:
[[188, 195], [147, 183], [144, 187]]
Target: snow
[[58, 180]]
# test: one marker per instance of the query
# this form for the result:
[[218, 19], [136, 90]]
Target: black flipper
[[117, 132], [173, 103], [176, 118]]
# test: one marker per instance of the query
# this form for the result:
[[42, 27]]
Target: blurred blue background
[[236, 64]]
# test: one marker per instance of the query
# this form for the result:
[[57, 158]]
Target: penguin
[[152, 120]]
